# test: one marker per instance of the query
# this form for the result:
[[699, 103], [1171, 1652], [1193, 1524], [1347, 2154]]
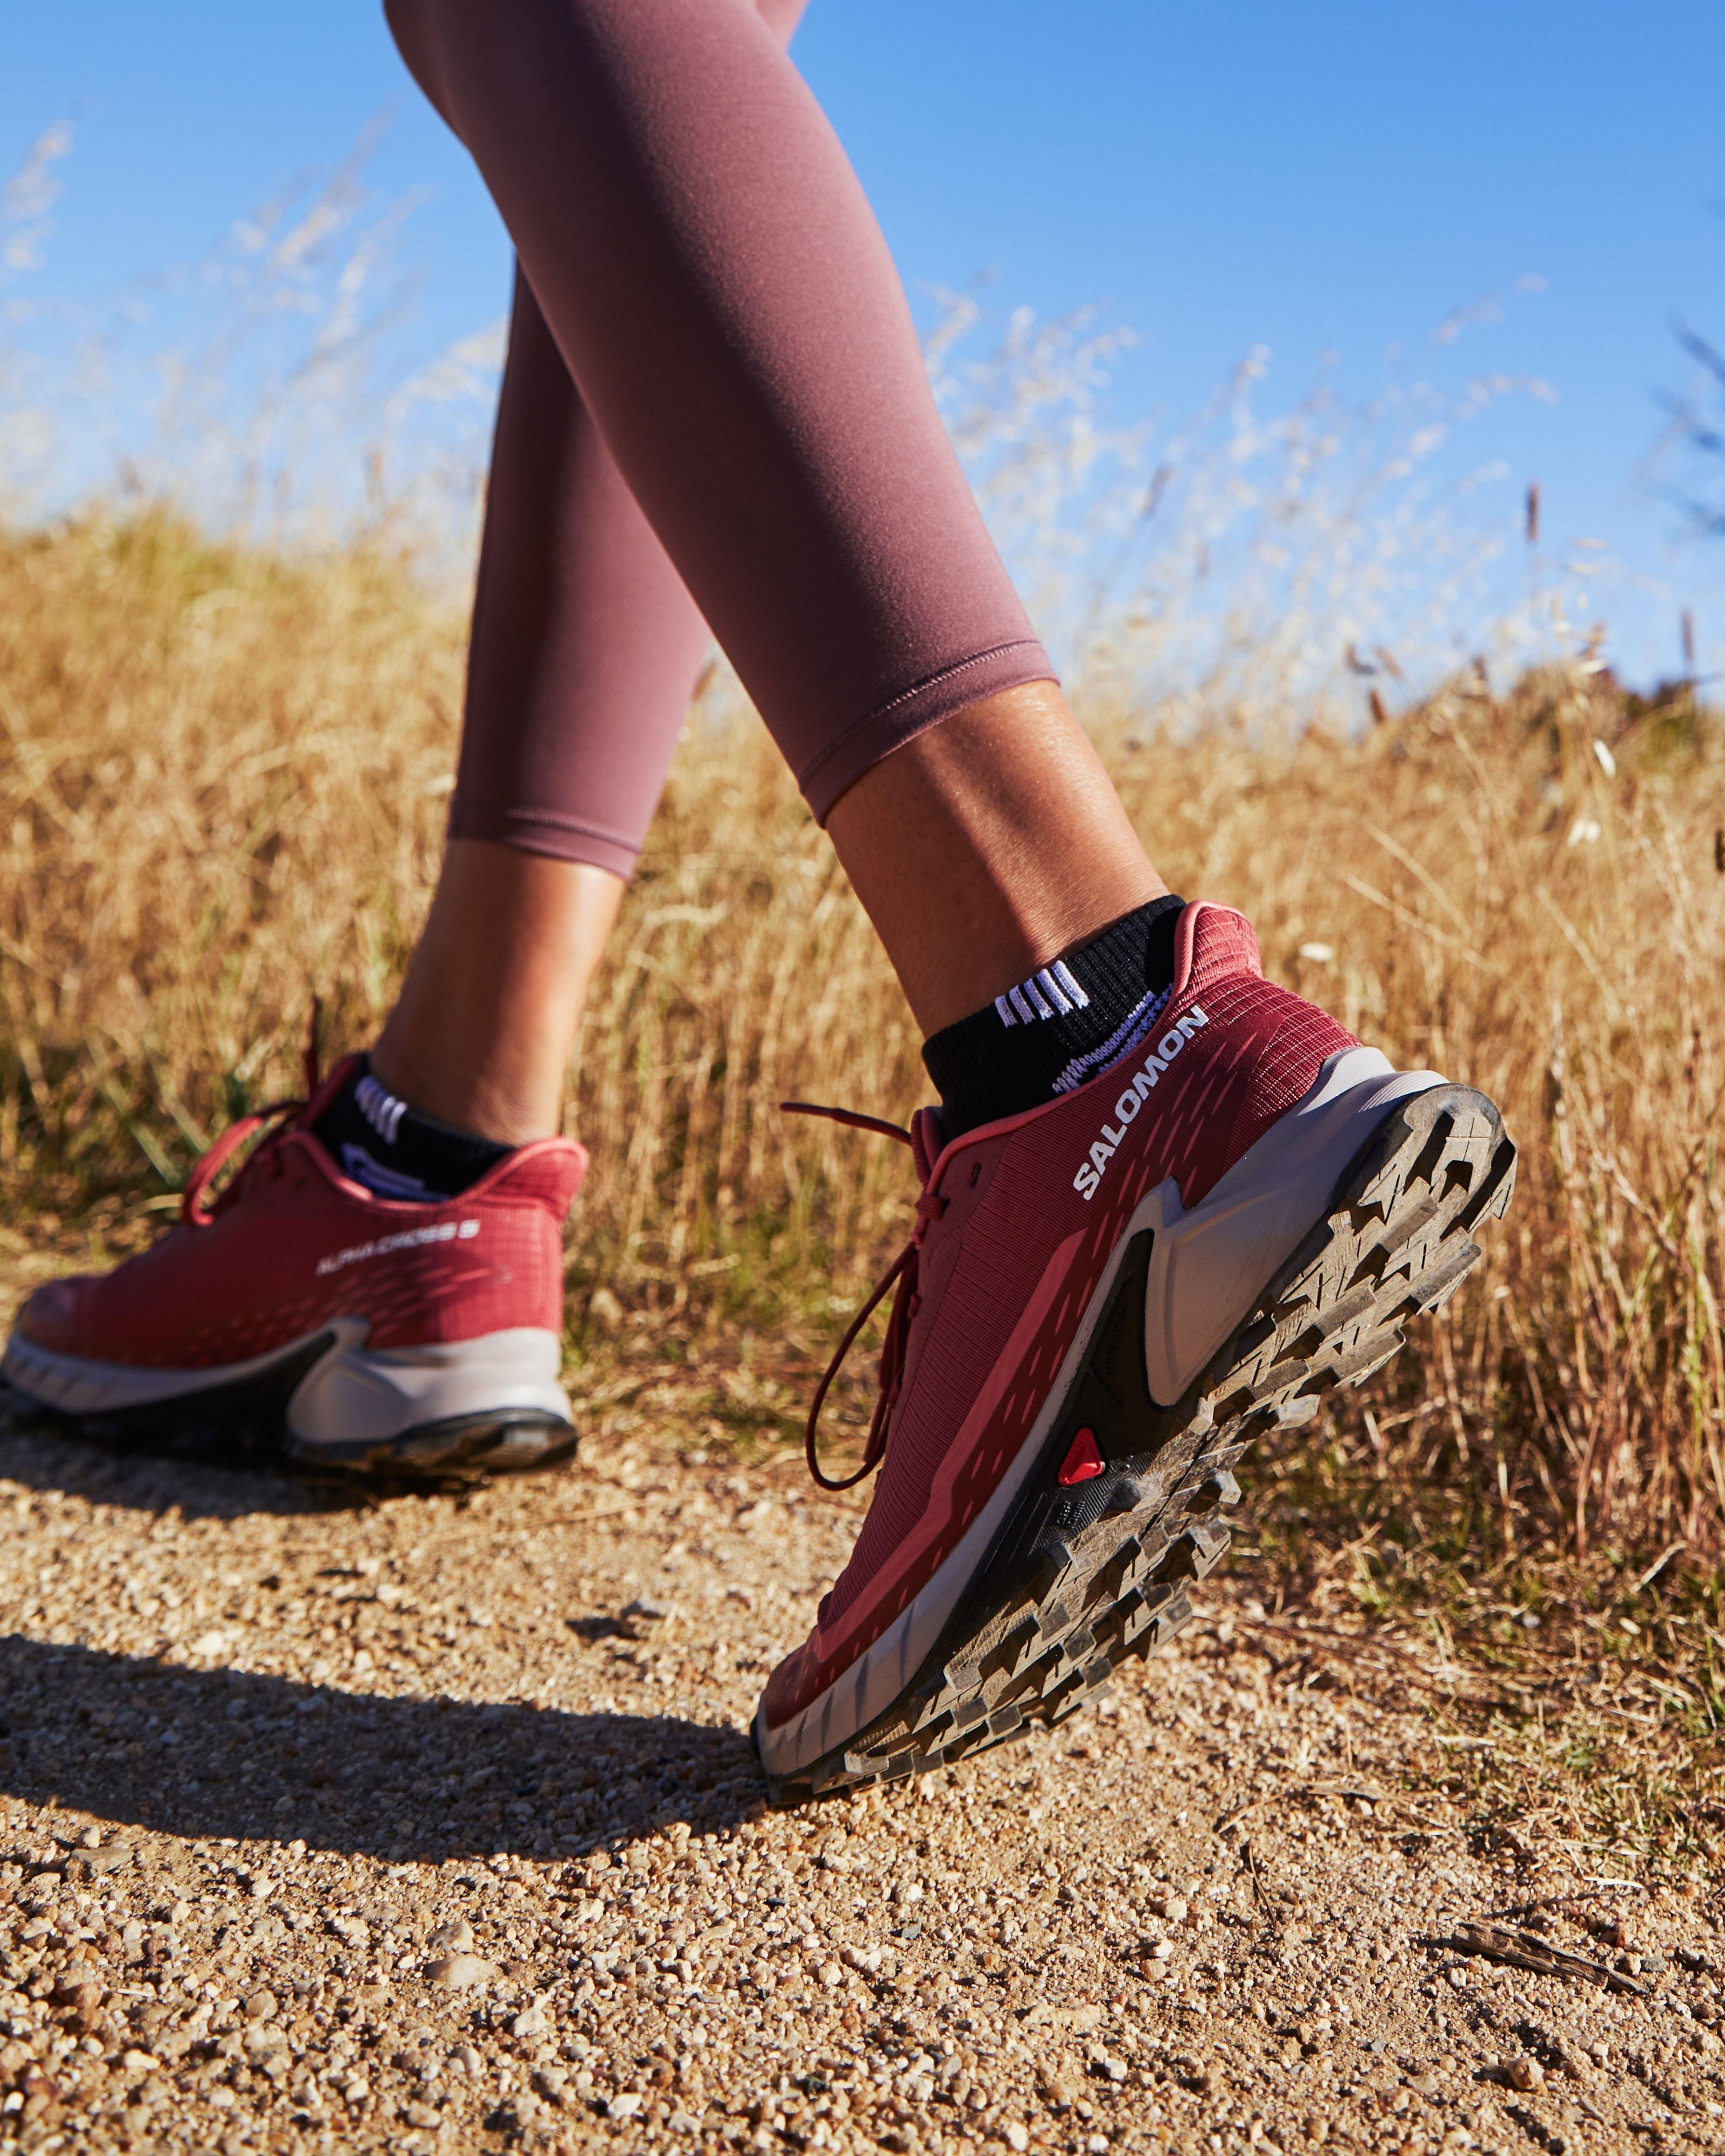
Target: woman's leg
[[586, 644], [724, 301], [585, 649], [584, 653]]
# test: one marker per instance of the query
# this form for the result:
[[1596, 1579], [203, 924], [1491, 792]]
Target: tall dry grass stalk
[[224, 776]]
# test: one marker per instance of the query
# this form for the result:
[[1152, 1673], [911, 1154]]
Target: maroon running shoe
[[1103, 1301], [298, 1309]]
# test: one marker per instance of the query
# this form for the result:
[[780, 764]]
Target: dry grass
[[225, 776]]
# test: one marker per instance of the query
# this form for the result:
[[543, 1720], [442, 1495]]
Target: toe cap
[[50, 1317]]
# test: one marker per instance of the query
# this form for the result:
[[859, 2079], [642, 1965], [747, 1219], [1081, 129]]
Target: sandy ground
[[429, 1822]]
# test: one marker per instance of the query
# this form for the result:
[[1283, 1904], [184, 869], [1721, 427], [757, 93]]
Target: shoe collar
[[304, 1132], [1209, 941]]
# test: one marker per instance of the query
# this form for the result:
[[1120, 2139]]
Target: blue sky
[[1339, 176]]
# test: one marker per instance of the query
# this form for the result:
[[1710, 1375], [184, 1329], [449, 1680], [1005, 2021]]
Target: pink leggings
[[715, 411]]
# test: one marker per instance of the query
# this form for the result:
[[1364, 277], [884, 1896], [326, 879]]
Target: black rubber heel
[[503, 1442]]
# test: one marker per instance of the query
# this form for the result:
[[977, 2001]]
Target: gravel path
[[429, 1823]]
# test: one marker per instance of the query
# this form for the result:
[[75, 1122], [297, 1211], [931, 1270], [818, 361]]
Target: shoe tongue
[[926, 1140]]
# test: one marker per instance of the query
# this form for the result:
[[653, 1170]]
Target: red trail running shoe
[[1103, 1301], [298, 1308]]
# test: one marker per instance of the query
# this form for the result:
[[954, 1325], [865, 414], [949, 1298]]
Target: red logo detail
[[1082, 1459]]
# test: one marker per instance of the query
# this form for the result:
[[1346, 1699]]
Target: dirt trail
[[430, 1824]]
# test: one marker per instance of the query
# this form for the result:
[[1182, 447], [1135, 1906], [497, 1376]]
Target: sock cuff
[[1060, 1026], [387, 1145]]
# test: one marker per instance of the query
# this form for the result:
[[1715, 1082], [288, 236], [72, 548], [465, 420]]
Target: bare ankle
[[987, 846], [482, 1036]]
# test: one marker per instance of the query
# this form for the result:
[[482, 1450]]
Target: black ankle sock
[[396, 1151], [1060, 1027]]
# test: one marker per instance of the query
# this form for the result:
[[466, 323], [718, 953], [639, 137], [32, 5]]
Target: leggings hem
[[890, 725], [543, 831]]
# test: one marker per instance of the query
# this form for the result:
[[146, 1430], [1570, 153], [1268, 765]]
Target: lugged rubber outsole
[[1080, 1578], [245, 1424], [505, 1441]]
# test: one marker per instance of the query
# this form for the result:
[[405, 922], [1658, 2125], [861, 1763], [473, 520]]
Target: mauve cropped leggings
[[714, 413]]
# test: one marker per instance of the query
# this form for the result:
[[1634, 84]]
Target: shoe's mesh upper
[[1260, 1052], [1003, 1259], [297, 1247]]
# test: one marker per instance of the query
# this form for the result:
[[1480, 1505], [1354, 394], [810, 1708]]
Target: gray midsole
[[352, 1393]]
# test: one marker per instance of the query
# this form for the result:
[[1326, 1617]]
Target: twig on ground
[[1524, 1950], [1362, 1792]]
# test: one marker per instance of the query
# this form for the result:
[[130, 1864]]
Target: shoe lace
[[192, 1210], [903, 1270]]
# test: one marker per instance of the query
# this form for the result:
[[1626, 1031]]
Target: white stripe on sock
[[1053, 992], [380, 1107]]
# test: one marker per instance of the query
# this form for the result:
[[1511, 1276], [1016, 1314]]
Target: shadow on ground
[[199, 1480], [209, 1753]]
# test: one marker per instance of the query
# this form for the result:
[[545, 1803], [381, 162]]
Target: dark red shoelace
[[903, 1269]]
